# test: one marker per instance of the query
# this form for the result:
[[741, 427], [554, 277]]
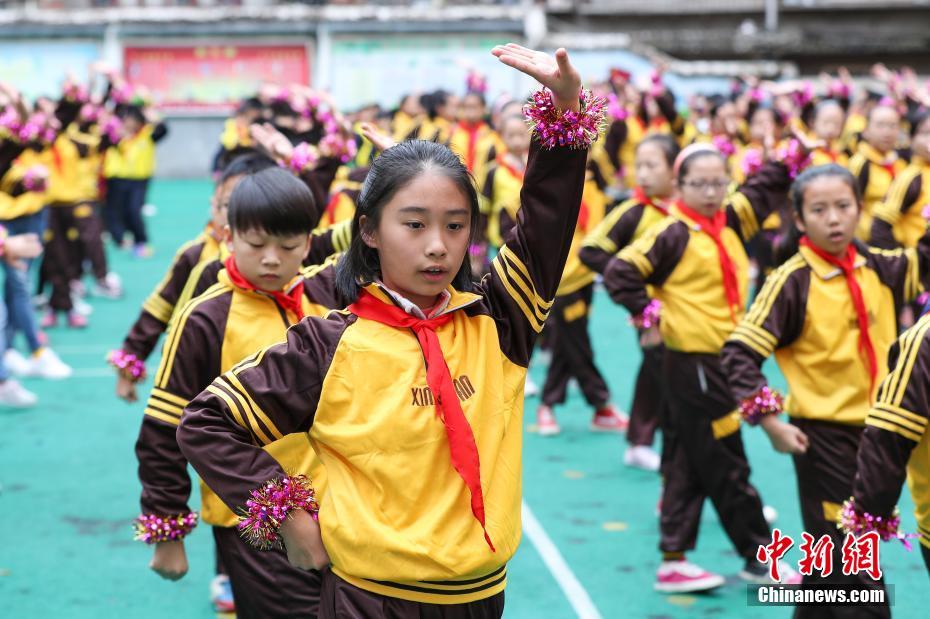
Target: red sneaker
[[546, 425], [609, 419], [49, 320], [684, 577], [76, 321]]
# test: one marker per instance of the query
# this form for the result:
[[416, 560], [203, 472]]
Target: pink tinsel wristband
[[649, 317], [128, 365], [856, 522], [271, 504], [766, 401], [793, 157], [304, 156], [554, 127], [153, 529]]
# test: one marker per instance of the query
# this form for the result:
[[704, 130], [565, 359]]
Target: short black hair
[[666, 143], [248, 163], [274, 201], [396, 168], [134, 112]]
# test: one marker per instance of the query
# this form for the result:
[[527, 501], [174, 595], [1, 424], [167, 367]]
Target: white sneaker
[[46, 364], [642, 457], [15, 395], [16, 363], [110, 287], [770, 514], [81, 306], [530, 389], [758, 574]]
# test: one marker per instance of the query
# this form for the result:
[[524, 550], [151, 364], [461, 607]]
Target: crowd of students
[[347, 340]]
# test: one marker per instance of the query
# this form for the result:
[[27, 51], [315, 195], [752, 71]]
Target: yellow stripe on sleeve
[[891, 427]]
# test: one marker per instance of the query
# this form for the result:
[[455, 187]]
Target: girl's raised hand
[[272, 141], [381, 140], [554, 72]]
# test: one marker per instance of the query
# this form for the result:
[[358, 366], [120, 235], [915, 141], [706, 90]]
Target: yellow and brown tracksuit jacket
[[343, 196], [899, 220], [804, 315], [501, 200], [626, 223], [134, 156], [624, 135], [681, 264], [476, 148], [896, 442], [208, 337], [172, 292], [874, 173], [396, 517], [15, 199]]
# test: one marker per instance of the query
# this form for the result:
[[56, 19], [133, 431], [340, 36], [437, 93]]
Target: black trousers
[[264, 584], [649, 399], [704, 458], [825, 477], [572, 354], [125, 199], [343, 600]]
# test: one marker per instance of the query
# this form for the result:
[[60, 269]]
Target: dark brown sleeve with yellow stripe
[[524, 277], [268, 395], [902, 196], [160, 304], [611, 235], [775, 320], [191, 359], [905, 271], [761, 195], [895, 424], [319, 179], [324, 243], [649, 260]]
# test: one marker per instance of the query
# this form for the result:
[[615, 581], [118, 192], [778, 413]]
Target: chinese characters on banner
[[213, 77]]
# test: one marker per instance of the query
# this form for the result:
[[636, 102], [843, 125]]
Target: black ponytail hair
[[790, 239], [396, 168]]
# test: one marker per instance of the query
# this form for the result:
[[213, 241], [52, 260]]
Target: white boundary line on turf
[[577, 596]]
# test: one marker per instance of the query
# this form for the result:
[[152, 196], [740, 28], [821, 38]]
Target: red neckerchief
[[471, 129], [714, 229], [331, 207], [847, 264], [462, 447], [640, 196], [291, 301]]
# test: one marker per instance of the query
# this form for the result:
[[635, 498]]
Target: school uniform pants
[[16, 286], [825, 476], [649, 400], [342, 600], [264, 584], [90, 240], [61, 259], [125, 199], [704, 458], [572, 354]]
